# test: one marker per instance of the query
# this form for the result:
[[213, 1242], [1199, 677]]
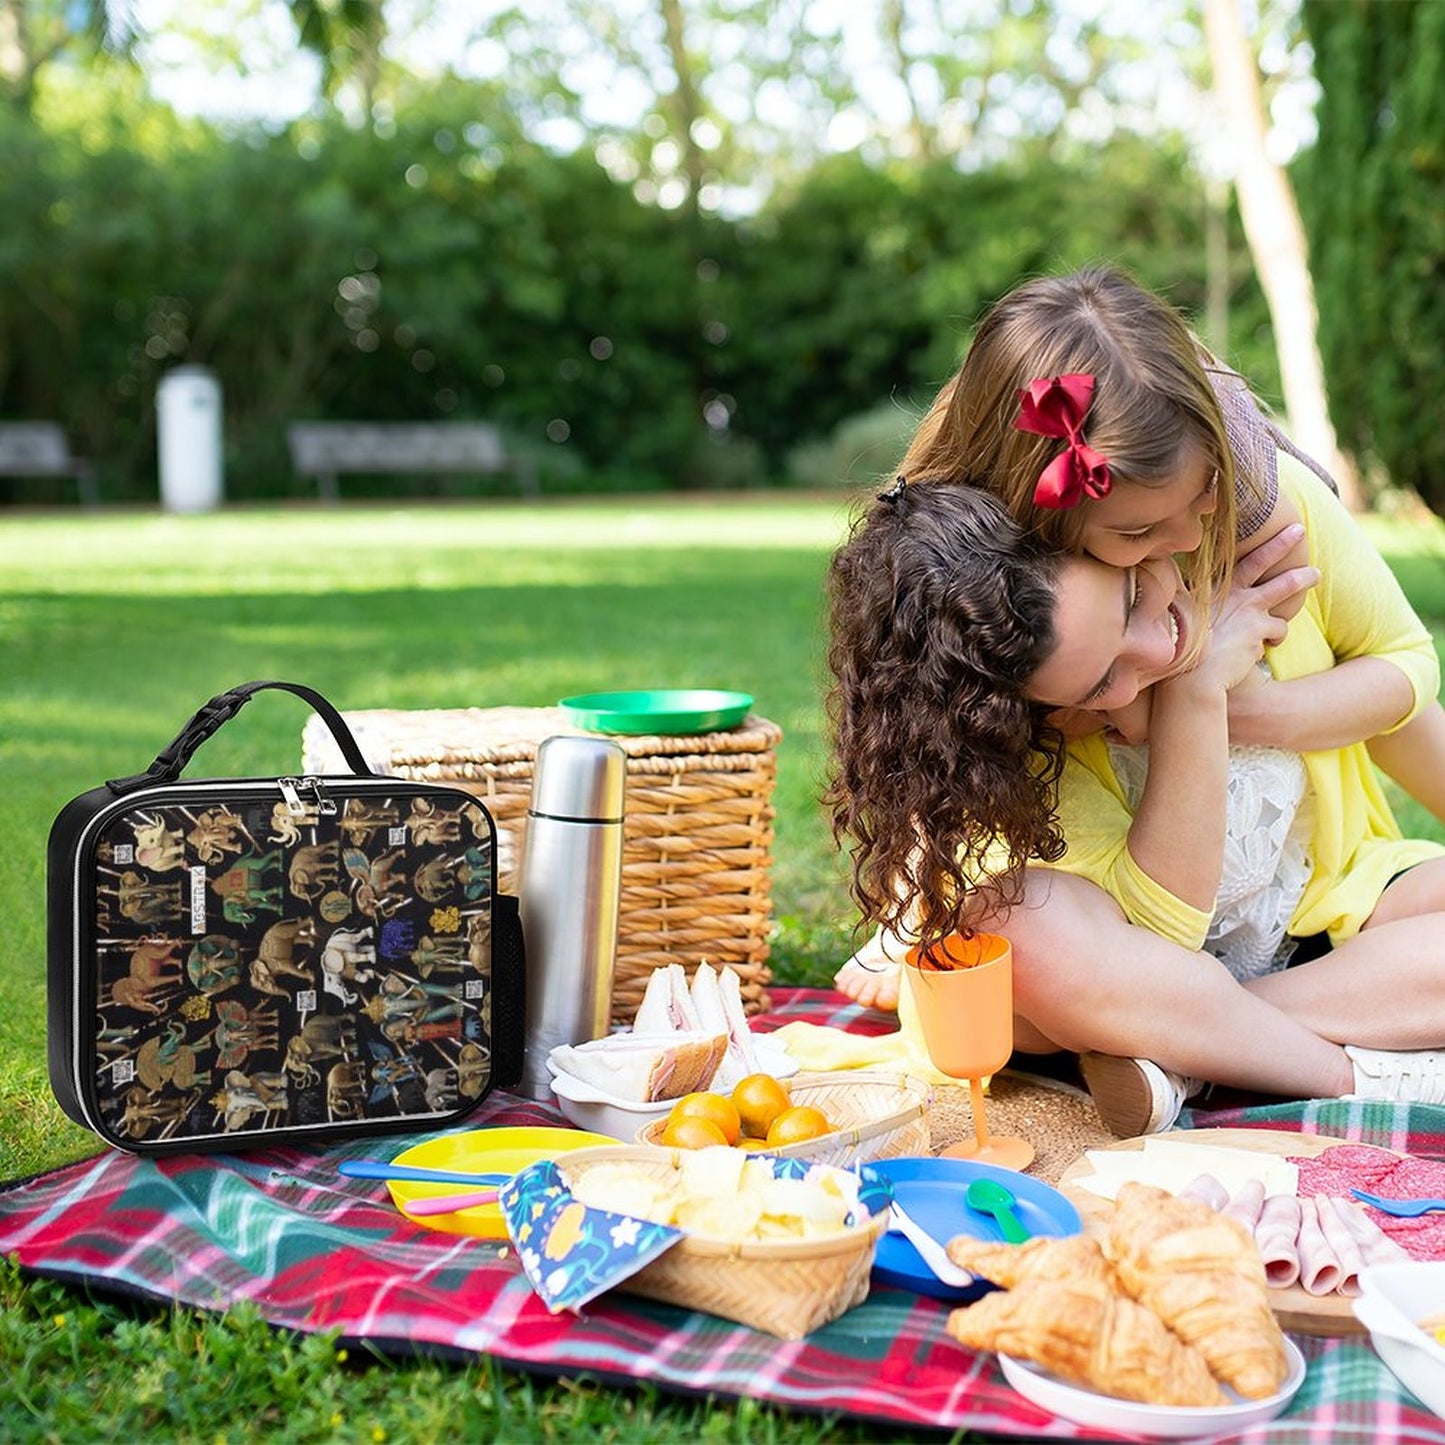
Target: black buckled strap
[[221, 708]]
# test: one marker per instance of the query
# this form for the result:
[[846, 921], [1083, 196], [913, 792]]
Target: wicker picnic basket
[[783, 1287], [877, 1116], [697, 837]]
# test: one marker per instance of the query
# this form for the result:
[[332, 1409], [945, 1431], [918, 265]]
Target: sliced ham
[[1246, 1204], [1276, 1233], [1207, 1189], [1320, 1271], [1341, 1241]]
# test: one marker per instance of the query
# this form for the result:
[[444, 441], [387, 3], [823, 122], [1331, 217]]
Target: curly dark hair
[[944, 773]]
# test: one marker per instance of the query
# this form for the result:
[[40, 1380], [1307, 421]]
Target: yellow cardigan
[[1357, 610]]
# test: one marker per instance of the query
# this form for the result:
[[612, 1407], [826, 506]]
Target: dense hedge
[[445, 268], [1373, 196]]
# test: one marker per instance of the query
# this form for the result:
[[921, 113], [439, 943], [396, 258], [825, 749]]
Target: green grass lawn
[[114, 628]]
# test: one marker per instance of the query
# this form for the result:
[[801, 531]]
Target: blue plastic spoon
[[380, 1169]]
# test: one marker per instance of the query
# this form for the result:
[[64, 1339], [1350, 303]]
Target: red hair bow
[[1056, 407]]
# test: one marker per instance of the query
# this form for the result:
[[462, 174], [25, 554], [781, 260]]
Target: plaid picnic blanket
[[315, 1251]]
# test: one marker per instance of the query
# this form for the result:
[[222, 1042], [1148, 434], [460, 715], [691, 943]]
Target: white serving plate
[[1155, 1422], [1393, 1299]]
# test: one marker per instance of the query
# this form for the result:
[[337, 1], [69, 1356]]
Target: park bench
[[39, 449], [328, 449]]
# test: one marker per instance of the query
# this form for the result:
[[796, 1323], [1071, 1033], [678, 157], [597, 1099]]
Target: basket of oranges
[[842, 1118]]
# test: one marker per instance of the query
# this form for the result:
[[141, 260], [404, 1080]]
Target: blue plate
[[932, 1191]]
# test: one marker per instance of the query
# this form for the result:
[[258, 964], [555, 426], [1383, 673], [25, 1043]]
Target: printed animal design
[[432, 955], [313, 870], [427, 825], [378, 881], [155, 966], [144, 1110], [346, 1090], [218, 831], [400, 1008], [276, 956], [157, 847], [246, 888], [238, 1030], [471, 872], [169, 1059], [388, 1072], [441, 1089], [146, 902], [214, 963], [246, 1095], [359, 819], [346, 958], [286, 826], [474, 1066], [322, 1036]]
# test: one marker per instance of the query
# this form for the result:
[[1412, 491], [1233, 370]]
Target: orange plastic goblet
[[963, 990]]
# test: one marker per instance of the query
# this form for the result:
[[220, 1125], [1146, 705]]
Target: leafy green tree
[[1370, 191], [36, 33]]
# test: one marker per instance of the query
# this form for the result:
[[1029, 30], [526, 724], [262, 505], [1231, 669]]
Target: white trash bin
[[188, 437]]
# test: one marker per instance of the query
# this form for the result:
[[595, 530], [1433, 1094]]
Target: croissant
[[1087, 1334], [1077, 1257], [1201, 1273]]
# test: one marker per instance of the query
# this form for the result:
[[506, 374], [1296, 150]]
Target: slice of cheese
[[1171, 1163]]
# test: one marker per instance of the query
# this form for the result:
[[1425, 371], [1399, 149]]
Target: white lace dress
[[1266, 852]]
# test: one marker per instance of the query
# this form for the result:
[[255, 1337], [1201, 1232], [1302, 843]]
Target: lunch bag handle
[[221, 709]]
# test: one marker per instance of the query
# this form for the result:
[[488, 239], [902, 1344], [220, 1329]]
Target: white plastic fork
[[930, 1250]]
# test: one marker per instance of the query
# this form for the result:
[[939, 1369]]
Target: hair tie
[[893, 493], [1056, 407]]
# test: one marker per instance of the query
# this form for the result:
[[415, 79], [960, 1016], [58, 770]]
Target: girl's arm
[[1177, 835], [1381, 669]]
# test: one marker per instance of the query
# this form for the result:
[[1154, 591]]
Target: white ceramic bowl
[[599, 1113], [1393, 1299]]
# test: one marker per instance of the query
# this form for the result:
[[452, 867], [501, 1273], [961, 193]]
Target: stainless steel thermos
[[569, 892]]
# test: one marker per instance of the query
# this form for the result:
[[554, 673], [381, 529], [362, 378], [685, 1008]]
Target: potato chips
[[721, 1193]]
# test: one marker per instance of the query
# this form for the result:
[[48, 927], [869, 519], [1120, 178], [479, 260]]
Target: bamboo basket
[[877, 1116], [697, 837], [786, 1288]]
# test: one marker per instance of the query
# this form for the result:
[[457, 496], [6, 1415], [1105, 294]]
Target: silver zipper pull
[[291, 796], [324, 805]]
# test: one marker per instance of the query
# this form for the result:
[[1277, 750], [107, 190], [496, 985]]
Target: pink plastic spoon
[[450, 1203]]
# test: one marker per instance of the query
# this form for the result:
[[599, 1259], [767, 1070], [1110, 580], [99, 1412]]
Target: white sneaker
[[1135, 1096], [1412, 1076]]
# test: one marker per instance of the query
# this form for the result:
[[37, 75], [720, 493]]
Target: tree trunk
[[687, 108], [1276, 239]]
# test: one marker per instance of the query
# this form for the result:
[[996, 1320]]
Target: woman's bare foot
[[870, 977]]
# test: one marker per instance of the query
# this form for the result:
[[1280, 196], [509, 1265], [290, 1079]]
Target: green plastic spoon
[[988, 1196]]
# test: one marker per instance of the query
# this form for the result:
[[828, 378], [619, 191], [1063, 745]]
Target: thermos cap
[[582, 778]]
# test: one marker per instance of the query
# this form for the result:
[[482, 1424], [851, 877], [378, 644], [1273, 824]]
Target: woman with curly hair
[[957, 638]]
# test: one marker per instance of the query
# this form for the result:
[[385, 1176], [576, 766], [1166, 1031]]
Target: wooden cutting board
[[1295, 1308]]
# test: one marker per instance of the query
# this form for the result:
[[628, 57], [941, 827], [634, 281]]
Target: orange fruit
[[692, 1133], [760, 1098], [800, 1122], [717, 1108]]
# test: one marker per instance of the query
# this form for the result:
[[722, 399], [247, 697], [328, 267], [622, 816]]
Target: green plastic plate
[[661, 710]]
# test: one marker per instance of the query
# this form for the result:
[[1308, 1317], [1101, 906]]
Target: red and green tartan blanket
[[314, 1251]]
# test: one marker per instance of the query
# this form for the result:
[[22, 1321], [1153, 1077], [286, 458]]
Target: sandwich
[[644, 1068]]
